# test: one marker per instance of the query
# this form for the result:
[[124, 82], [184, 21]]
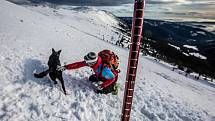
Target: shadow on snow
[[76, 83]]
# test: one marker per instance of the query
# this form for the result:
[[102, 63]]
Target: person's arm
[[76, 65], [109, 76]]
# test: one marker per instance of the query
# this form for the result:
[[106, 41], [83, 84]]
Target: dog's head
[[55, 53], [54, 58]]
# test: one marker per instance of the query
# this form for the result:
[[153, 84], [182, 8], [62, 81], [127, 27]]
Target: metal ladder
[[137, 24]]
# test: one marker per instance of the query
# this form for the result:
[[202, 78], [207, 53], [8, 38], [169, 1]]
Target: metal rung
[[138, 18], [137, 35], [134, 59], [129, 96], [131, 89], [138, 43], [138, 27], [139, 9], [132, 74], [127, 109], [130, 81], [126, 116], [133, 67], [128, 103], [134, 51]]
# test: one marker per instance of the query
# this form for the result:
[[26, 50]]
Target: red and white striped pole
[[137, 24]]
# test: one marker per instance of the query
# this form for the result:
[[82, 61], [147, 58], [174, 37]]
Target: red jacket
[[106, 82]]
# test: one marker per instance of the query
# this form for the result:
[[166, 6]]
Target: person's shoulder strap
[[100, 73]]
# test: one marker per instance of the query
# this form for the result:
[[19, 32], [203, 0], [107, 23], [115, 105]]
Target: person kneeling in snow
[[105, 65]]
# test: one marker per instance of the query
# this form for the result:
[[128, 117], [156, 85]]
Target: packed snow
[[185, 54], [209, 40], [201, 32], [191, 47], [27, 35], [176, 47], [191, 40], [198, 55], [193, 34]]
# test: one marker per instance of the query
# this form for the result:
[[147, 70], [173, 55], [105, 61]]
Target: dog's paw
[[35, 71], [66, 94]]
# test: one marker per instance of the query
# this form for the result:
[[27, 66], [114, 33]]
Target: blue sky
[[177, 10]]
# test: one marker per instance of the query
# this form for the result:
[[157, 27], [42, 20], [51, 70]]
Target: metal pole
[[137, 24]]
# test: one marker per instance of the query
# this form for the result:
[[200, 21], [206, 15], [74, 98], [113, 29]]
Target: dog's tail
[[42, 74]]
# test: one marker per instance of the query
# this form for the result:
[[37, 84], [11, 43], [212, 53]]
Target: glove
[[61, 68], [97, 83], [99, 88]]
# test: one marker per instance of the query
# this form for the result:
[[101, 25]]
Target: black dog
[[53, 62]]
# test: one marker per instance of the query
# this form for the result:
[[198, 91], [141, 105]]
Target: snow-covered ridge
[[26, 38], [105, 16], [98, 23]]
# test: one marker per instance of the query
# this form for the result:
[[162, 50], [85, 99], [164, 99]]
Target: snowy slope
[[26, 38]]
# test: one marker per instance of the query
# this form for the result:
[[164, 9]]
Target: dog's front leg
[[62, 84]]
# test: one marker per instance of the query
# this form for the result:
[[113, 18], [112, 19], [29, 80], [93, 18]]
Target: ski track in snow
[[160, 94]]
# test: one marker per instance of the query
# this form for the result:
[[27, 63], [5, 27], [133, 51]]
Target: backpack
[[109, 59]]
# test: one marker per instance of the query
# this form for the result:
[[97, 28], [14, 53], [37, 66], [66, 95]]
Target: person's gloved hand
[[96, 84], [61, 68], [99, 88]]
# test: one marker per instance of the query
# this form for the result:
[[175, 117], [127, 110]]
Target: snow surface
[[201, 32], [185, 54], [26, 38], [193, 33], [176, 47], [191, 47], [198, 55]]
